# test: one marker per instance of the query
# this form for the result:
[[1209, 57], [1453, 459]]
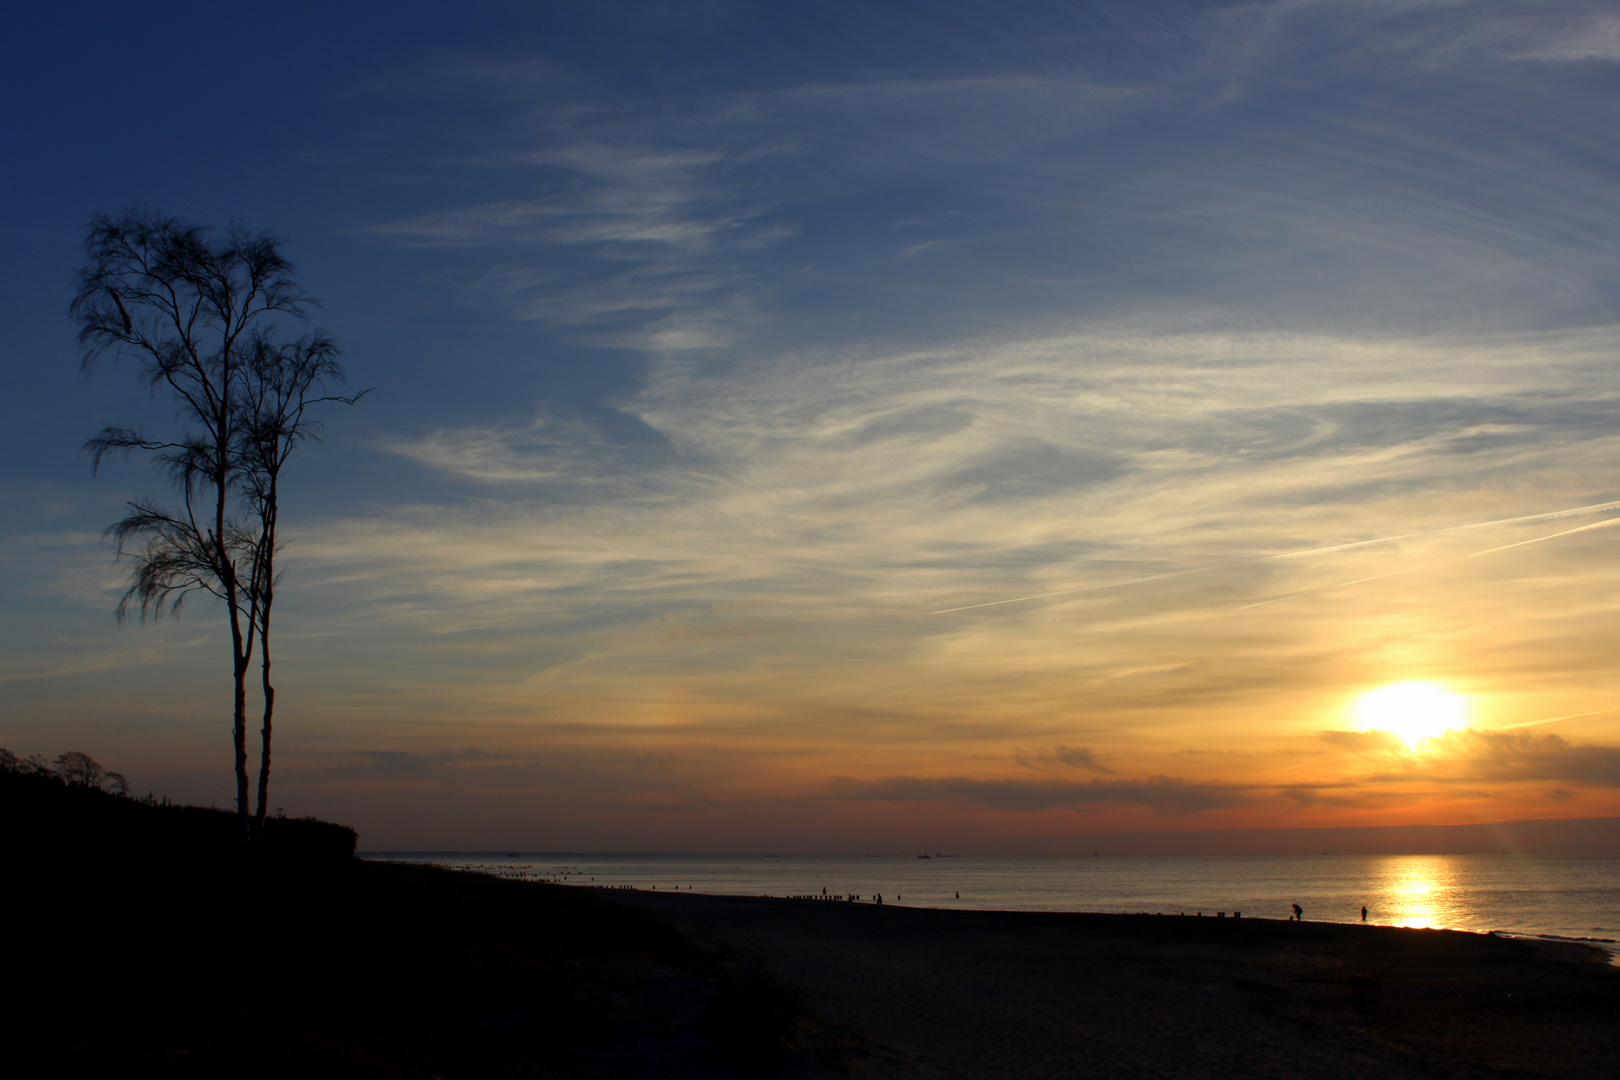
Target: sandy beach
[[919, 993]]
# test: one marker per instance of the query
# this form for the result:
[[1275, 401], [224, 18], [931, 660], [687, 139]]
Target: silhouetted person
[[880, 899], [1299, 913], [1363, 912]]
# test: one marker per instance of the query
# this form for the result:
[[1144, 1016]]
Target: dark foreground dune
[[920, 993], [142, 940]]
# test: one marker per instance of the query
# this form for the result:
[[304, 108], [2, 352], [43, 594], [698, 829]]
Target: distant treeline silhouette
[[73, 805], [74, 768]]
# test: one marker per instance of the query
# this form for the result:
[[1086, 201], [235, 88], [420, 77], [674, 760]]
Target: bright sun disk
[[1412, 710]]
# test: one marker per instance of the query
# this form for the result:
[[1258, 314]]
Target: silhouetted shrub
[[81, 770], [755, 1015]]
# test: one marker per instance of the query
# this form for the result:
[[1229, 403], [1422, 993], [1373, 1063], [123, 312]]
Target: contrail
[[1440, 562], [1595, 508], [1087, 588], [1555, 719]]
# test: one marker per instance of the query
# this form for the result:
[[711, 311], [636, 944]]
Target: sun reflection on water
[[1415, 890]]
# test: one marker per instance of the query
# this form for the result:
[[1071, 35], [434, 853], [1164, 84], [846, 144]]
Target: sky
[[840, 427]]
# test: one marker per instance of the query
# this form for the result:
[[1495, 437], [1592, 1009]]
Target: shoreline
[[667, 874]]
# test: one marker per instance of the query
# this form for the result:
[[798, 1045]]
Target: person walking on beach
[[1363, 912], [1299, 913]]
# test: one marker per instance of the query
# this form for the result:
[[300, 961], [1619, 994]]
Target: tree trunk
[[241, 652], [269, 715], [265, 577], [239, 724]]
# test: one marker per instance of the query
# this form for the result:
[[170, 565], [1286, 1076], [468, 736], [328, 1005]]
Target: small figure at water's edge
[[1299, 913], [1363, 912]]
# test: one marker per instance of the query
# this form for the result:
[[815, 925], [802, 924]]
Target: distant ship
[[942, 855], [924, 855]]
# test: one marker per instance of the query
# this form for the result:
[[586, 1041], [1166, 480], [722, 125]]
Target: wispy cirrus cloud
[[1436, 34], [1573, 31], [655, 227], [760, 575], [702, 222], [627, 231], [872, 463]]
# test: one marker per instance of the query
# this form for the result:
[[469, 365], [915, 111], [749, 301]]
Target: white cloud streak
[[866, 484]]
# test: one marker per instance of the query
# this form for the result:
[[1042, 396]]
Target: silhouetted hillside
[[43, 816], [141, 942]]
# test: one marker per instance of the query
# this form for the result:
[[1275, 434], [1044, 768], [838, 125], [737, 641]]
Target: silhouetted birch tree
[[200, 317]]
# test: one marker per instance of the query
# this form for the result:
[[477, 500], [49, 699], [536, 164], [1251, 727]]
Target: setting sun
[[1412, 710]]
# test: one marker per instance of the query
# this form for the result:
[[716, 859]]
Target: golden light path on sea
[[1414, 892]]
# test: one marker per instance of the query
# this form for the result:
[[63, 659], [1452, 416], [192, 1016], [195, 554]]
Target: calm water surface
[[1564, 896]]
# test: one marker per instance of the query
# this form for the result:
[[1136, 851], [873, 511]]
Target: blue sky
[[717, 347]]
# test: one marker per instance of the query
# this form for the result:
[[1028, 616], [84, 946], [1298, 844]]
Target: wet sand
[[919, 993]]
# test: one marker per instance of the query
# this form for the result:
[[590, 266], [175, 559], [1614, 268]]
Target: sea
[[1560, 897]]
